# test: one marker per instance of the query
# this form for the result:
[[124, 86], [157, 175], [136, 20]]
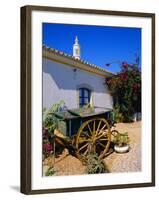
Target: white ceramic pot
[[122, 149]]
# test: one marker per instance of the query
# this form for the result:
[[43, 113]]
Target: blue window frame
[[84, 96]]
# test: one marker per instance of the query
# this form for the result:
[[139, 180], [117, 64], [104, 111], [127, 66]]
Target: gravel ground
[[128, 162], [131, 161], [64, 165]]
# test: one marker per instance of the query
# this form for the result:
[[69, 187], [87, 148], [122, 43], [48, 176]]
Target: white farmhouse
[[73, 80]]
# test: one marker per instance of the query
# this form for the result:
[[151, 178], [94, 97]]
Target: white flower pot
[[122, 149]]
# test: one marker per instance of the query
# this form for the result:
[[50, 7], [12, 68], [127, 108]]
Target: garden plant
[[125, 88]]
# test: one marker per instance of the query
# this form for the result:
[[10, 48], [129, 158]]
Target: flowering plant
[[125, 88], [47, 145]]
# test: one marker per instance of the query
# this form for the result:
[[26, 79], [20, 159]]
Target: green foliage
[[49, 120], [52, 109], [95, 165], [117, 116], [49, 125], [121, 139], [50, 172], [125, 88]]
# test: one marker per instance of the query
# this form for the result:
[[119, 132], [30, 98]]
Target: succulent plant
[[121, 139]]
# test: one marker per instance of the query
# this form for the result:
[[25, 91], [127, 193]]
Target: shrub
[[49, 120], [49, 125], [50, 172], [54, 108], [117, 116], [95, 165], [47, 147], [125, 88]]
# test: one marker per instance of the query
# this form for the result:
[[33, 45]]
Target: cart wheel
[[93, 136]]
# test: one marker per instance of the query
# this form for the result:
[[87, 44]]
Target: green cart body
[[69, 121]]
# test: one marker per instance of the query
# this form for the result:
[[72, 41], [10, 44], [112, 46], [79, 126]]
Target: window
[[84, 96]]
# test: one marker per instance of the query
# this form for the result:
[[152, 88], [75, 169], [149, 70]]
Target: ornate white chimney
[[76, 49]]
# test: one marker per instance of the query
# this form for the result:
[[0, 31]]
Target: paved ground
[[128, 162]]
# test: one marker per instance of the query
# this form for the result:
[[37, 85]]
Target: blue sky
[[99, 44]]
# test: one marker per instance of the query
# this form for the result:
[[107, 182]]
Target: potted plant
[[121, 143]]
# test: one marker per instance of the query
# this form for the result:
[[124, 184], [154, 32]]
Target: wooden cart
[[89, 130]]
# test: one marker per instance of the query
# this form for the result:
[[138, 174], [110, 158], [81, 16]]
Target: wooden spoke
[[102, 128], [85, 135], [94, 127], [84, 140], [101, 144], [89, 129], [99, 137], [98, 126], [103, 139], [85, 152], [103, 134], [83, 147]]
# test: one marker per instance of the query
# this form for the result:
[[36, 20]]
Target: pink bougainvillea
[[125, 88]]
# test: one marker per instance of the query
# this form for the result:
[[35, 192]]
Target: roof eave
[[61, 57]]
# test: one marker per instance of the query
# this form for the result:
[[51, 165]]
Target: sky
[[99, 44]]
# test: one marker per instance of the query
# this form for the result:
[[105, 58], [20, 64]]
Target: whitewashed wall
[[61, 82]]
